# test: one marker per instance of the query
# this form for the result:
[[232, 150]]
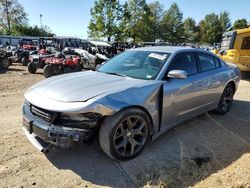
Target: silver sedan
[[130, 100]]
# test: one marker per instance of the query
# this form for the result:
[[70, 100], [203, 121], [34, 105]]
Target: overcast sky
[[71, 17]]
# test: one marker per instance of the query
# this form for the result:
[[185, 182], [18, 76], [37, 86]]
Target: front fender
[[147, 97]]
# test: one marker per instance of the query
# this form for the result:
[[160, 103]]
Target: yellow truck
[[235, 48]]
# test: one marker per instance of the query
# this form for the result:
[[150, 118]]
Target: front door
[[182, 97]]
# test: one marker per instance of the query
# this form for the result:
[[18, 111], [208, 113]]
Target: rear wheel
[[67, 70], [226, 100], [77, 68], [57, 69], [32, 68], [48, 71], [4, 64], [124, 135], [24, 61]]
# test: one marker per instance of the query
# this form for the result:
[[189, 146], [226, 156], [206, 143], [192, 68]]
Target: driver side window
[[185, 62]]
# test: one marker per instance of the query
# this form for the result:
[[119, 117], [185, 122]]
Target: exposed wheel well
[[232, 83]]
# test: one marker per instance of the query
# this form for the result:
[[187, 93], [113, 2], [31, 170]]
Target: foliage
[[11, 13], [240, 24], [157, 10], [191, 30], [105, 16], [173, 30], [147, 22], [25, 30], [224, 21], [140, 21], [123, 31], [210, 29]]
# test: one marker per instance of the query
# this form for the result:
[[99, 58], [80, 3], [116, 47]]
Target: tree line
[[14, 21], [148, 22]]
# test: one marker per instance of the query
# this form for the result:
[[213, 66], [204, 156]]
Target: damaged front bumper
[[43, 134]]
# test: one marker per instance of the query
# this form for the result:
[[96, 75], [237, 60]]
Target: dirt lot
[[207, 151]]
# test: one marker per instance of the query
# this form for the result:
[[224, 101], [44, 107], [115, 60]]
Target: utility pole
[[41, 21], [7, 15]]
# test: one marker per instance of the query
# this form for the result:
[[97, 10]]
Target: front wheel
[[24, 61], [4, 63], [32, 68], [226, 100], [48, 71], [124, 135]]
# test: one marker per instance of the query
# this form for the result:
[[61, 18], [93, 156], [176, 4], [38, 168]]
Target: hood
[[81, 86]]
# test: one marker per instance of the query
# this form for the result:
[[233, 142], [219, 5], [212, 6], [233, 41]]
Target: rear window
[[246, 43], [207, 62]]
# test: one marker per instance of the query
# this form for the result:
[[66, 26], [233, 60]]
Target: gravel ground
[[207, 151]]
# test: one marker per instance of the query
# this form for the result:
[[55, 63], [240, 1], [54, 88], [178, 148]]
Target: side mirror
[[180, 74]]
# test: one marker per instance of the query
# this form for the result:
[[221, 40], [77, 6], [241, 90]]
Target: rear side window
[[246, 43], [217, 62], [185, 62], [206, 62]]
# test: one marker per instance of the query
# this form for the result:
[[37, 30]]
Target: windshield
[[136, 64]]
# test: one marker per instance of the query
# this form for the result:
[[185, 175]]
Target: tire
[[24, 61], [116, 137], [32, 68], [48, 71], [57, 69], [4, 63], [226, 100], [77, 68], [67, 70]]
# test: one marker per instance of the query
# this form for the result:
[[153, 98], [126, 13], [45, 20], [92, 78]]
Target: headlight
[[89, 120], [79, 117]]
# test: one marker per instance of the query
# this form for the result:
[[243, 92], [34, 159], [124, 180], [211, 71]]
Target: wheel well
[[232, 84]]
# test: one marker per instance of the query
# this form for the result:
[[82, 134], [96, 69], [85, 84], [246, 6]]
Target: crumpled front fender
[[147, 97]]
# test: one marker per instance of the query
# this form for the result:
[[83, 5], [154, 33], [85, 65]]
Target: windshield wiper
[[115, 73]]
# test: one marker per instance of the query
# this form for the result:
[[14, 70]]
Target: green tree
[[224, 20], [141, 19], [123, 32], [210, 29], [156, 9], [105, 17], [144, 25], [191, 30], [11, 13], [25, 30], [240, 24], [136, 11], [173, 30]]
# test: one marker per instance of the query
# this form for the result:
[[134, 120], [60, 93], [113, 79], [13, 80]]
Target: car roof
[[167, 49]]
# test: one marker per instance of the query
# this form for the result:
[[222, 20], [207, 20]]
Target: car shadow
[[181, 157], [11, 70]]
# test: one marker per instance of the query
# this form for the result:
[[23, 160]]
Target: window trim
[[218, 62]]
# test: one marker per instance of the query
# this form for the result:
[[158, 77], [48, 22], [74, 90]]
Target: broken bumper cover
[[42, 134]]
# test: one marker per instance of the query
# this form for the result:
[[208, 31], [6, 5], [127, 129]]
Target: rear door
[[182, 98], [210, 76]]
